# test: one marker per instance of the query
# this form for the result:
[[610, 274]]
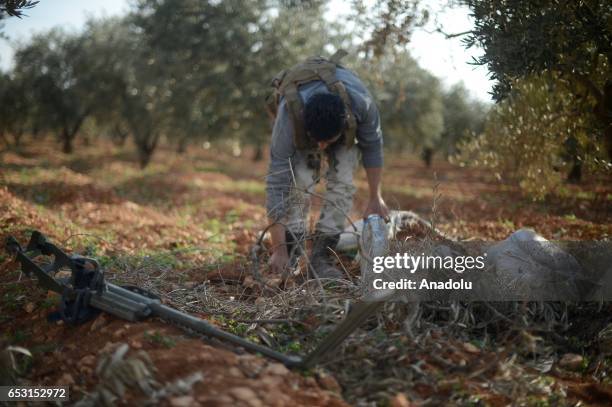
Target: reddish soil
[[71, 354], [213, 202]]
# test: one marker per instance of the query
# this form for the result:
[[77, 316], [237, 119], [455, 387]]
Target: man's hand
[[377, 205], [279, 260]]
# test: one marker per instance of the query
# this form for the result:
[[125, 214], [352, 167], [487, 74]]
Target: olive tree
[[463, 118], [409, 100], [527, 135], [570, 40], [17, 109], [69, 77]]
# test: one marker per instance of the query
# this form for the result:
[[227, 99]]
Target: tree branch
[[447, 36], [14, 7]]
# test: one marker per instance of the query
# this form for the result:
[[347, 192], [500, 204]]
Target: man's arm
[[369, 135], [278, 182], [376, 204]]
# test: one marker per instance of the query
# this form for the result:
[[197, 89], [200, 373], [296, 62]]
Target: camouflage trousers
[[338, 197]]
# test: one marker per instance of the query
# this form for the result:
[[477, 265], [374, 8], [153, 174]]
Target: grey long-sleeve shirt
[[282, 149]]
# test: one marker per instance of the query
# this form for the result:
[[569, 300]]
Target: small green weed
[[238, 328], [158, 338], [50, 302], [570, 217], [13, 296], [44, 348], [292, 347], [20, 336]]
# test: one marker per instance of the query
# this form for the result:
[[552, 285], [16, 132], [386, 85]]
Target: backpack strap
[[295, 106], [338, 55], [350, 131], [273, 99], [287, 83]]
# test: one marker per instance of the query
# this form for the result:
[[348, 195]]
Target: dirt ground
[[186, 223]]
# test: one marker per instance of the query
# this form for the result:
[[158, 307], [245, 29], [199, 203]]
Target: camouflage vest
[[286, 84]]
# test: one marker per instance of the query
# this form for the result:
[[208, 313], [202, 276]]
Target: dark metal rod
[[201, 326], [130, 294]]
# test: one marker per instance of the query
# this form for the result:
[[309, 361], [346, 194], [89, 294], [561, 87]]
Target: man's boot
[[322, 259]]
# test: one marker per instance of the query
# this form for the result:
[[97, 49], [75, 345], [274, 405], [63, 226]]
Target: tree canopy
[[186, 71], [571, 38]]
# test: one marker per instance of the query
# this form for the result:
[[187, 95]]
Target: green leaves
[[534, 137], [551, 62]]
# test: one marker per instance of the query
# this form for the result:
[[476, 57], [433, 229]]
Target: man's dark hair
[[324, 116]]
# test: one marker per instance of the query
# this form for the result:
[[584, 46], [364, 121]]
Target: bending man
[[322, 111]]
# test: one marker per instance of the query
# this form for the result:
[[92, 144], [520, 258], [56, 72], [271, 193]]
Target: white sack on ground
[[527, 262], [399, 220]]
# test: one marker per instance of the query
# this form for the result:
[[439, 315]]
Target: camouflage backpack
[[286, 84]]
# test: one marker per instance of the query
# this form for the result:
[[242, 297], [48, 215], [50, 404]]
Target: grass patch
[[410, 191], [13, 296], [507, 223], [232, 326], [250, 187], [291, 347], [20, 336], [207, 168], [50, 302], [564, 191], [570, 217], [44, 348], [28, 176], [147, 259], [156, 337]]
